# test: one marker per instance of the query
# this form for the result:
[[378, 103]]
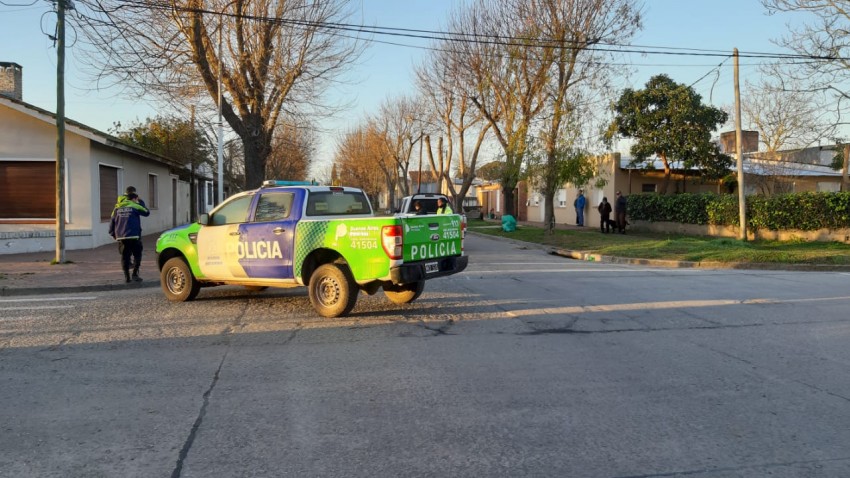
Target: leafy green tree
[[173, 138], [667, 120], [548, 170]]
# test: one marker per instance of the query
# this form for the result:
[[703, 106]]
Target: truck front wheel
[[178, 283], [405, 293], [332, 291]]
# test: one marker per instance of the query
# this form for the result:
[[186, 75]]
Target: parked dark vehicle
[[472, 208]]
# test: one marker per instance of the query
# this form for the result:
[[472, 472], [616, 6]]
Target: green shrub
[[806, 211]]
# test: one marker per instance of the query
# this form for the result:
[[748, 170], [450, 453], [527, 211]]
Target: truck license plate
[[432, 267]]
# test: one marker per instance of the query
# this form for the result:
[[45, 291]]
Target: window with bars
[[108, 191]]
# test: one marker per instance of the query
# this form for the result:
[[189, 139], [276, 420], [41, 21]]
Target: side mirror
[[204, 219]]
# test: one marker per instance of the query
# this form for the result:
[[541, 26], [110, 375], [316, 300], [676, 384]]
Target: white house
[[98, 167]]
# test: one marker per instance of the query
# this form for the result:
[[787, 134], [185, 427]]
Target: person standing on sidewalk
[[620, 212], [605, 215], [580, 203], [126, 228]]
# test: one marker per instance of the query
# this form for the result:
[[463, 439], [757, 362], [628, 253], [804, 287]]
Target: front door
[[219, 247], [267, 240]]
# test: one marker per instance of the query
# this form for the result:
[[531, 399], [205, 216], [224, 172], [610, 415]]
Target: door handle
[[236, 233], [278, 230]]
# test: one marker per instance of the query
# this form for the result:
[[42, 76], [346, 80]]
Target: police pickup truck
[[288, 234]]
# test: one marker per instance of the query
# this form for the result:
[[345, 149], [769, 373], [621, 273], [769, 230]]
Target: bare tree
[[541, 51], [293, 150], [572, 29], [454, 115], [824, 47], [502, 78], [784, 115], [362, 160], [399, 124], [273, 53]]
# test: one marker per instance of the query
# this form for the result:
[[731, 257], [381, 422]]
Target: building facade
[[98, 167]]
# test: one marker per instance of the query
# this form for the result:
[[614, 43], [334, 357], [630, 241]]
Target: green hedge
[[807, 211]]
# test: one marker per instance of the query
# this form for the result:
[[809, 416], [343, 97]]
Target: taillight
[[392, 241]]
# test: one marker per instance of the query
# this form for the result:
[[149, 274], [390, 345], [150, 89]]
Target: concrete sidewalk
[[87, 270]]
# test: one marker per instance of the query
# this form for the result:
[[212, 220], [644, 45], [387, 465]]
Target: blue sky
[[385, 70]]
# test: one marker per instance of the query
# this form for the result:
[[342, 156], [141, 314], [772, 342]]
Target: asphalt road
[[527, 364]]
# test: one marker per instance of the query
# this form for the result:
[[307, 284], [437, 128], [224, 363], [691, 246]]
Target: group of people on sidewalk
[[619, 221], [605, 209]]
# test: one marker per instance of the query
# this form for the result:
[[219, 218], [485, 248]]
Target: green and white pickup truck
[[325, 237]]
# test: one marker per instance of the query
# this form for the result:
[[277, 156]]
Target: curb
[[10, 291], [591, 257]]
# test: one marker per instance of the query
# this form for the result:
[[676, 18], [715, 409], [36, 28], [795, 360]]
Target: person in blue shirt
[[126, 228], [580, 203]]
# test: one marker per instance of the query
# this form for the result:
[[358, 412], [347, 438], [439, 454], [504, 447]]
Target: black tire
[[332, 290], [178, 283], [404, 294]]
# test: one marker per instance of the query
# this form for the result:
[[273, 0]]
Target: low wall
[[16, 242], [822, 235]]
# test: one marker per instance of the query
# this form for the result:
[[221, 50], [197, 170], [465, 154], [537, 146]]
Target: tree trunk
[[549, 217], [508, 194], [845, 181], [665, 185], [257, 144]]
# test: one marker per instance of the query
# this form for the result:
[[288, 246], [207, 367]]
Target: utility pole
[[193, 192], [419, 176], [220, 158], [742, 205], [60, 130]]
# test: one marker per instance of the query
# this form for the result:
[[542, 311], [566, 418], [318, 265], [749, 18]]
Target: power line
[[480, 38], [716, 68], [10, 4]]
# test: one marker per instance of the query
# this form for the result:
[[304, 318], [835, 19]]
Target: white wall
[[24, 136]]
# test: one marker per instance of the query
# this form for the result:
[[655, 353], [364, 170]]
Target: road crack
[[187, 445], [235, 326]]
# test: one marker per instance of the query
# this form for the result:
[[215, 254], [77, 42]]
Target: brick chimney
[[11, 80]]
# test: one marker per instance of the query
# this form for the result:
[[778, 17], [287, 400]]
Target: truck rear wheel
[[178, 283], [332, 290], [404, 294]]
